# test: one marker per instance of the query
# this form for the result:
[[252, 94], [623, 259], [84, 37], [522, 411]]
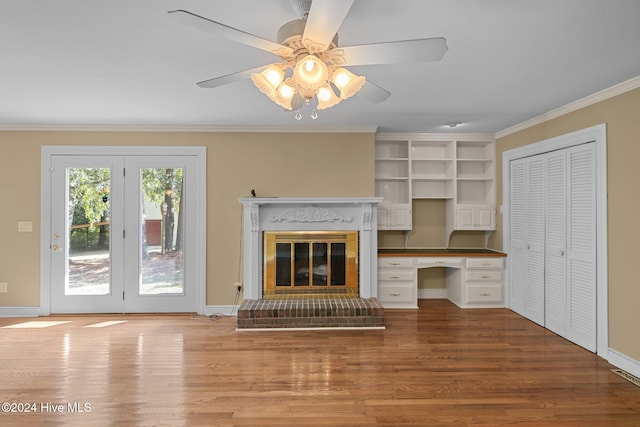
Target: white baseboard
[[432, 293], [224, 310], [625, 362], [19, 311]]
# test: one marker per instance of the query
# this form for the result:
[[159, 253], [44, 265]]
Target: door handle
[[561, 253]]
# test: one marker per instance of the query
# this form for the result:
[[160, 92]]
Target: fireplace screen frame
[[347, 272]]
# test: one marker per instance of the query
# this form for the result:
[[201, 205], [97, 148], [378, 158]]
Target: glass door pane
[[86, 228], [283, 264], [301, 256], [320, 266], [162, 231], [338, 264], [88, 260]]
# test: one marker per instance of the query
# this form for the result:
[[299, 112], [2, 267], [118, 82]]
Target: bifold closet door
[[552, 258], [527, 235], [555, 243], [581, 246], [518, 236]]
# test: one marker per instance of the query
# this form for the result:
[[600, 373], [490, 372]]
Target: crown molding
[[183, 128], [453, 136], [602, 95]]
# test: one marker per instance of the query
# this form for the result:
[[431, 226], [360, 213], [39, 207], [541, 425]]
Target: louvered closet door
[[535, 245], [552, 258], [527, 235], [556, 241], [581, 246], [518, 236]]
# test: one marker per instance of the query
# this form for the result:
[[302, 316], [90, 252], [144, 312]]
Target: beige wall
[[274, 164], [623, 153]]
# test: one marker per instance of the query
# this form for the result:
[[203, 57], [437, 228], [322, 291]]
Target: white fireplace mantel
[[309, 214]]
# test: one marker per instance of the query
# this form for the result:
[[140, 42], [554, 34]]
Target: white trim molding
[[220, 310], [19, 311], [625, 362], [602, 95], [435, 293], [200, 200], [185, 128], [598, 135]]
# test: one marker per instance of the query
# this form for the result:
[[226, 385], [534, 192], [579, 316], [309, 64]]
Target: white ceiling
[[124, 63]]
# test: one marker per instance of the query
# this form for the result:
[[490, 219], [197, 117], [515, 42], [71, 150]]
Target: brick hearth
[[323, 311]]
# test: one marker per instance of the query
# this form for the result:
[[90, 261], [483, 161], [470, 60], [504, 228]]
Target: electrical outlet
[[238, 286], [3, 287]]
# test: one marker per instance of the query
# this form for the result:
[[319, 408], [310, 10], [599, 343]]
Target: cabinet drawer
[[404, 275], [489, 263], [440, 262], [485, 293], [396, 294], [384, 262], [484, 275]]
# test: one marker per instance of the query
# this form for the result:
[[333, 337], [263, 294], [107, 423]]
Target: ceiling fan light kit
[[311, 78], [312, 69]]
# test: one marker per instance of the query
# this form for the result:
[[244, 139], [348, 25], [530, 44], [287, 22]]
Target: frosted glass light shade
[[311, 73], [348, 83], [284, 95], [268, 80], [327, 98]]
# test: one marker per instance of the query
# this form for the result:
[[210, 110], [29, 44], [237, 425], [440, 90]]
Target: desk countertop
[[434, 252]]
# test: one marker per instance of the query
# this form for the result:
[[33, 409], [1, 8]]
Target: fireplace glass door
[[310, 262]]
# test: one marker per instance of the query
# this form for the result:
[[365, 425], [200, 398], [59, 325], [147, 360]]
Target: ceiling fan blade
[[325, 17], [221, 30], [230, 78], [420, 50], [373, 92]]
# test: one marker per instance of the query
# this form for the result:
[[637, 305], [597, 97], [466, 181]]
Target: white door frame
[[598, 135], [198, 246]]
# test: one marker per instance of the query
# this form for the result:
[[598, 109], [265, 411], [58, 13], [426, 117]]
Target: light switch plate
[[25, 226], [3, 287]]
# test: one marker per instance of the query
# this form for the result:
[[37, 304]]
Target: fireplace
[[315, 245], [307, 262]]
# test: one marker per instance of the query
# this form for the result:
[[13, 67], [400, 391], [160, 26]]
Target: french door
[[121, 229]]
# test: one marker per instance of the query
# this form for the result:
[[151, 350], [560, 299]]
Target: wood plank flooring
[[437, 366]]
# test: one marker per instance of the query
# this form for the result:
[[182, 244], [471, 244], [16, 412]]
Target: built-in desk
[[475, 277]]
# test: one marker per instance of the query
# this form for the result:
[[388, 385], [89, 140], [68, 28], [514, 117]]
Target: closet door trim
[[598, 135]]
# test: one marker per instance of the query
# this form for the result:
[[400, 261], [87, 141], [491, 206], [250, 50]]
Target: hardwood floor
[[439, 365]]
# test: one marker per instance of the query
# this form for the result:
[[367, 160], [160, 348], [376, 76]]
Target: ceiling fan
[[312, 64]]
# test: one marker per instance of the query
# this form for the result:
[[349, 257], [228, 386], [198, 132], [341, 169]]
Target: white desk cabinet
[[397, 282], [472, 281], [479, 284]]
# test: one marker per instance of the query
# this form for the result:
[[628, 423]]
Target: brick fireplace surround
[[309, 311]]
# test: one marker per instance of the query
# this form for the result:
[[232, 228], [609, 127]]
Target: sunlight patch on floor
[[105, 324], [36, 324]]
